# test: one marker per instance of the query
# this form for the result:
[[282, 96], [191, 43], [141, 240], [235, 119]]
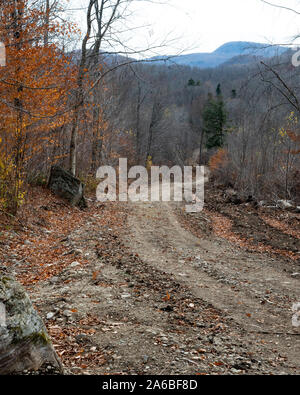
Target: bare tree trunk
[[47, 20], [201, 147], [150, 134], [287, 173], [17, 14], [102, 29], [97, 141], [138, 119], [156, 117], [80, 94], [73, 142]]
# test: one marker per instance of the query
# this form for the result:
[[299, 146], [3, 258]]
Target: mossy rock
[[24, 342], [68, 187]]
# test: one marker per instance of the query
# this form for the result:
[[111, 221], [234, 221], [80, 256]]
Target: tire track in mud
[[249, 288]]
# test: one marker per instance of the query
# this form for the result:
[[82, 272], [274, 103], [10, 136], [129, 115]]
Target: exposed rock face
[[24, 342], [65, 185]]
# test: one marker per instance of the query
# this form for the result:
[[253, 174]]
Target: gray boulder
[[24, 342], [66, 186]]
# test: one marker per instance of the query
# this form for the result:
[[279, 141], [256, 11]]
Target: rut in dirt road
[[248, 287]]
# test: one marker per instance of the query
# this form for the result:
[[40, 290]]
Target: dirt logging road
[[253, 292], [146, 288]]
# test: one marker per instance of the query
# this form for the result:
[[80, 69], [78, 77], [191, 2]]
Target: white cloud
[[203, 25]]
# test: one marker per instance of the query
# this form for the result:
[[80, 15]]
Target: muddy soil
[[160, 292]]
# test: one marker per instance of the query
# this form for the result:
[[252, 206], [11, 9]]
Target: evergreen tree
[[214, 119], [191, 82]]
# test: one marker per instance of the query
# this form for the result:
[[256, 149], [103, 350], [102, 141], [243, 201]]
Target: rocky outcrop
[[24, 342], [68, 187]]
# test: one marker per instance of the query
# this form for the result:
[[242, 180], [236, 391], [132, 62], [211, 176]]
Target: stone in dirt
[[66, 186], [24, 342]]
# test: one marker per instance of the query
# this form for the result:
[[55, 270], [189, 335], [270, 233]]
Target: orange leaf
[[95, 274], [167, 297], [219, 363]]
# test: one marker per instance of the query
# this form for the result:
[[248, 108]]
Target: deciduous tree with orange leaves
[[34, 89]]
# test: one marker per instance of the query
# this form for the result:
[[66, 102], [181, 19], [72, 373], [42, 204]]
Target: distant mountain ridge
[[248, 51]]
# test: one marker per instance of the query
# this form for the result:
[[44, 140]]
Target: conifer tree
[[214, 120]]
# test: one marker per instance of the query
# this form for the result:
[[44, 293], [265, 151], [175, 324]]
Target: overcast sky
[[204, 25]]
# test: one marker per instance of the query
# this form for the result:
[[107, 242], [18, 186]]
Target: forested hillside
[[169, 111], [122, 107]]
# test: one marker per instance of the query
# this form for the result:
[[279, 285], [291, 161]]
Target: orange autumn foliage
[[219, 160], [34, 87], [296, 139]]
